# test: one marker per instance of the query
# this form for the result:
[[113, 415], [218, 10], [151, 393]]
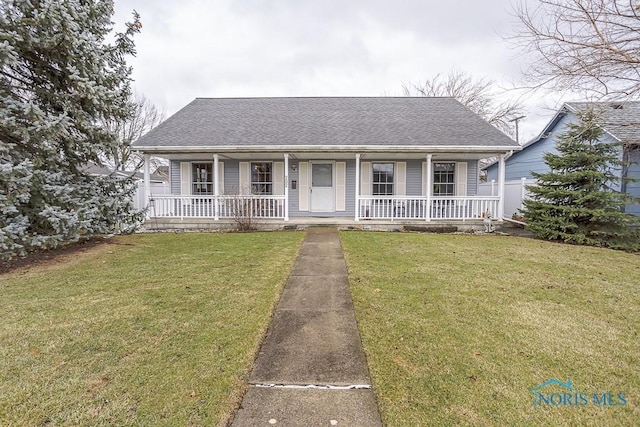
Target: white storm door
[[322, 189]]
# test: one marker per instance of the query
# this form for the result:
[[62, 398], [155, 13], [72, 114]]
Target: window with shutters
[[262, 178], [382, 179], [444, 179]]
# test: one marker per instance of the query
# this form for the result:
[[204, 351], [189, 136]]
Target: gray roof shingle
[[620, 119], [332, 121]]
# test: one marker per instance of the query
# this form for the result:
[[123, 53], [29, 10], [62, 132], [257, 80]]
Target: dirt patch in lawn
[[45, 257]]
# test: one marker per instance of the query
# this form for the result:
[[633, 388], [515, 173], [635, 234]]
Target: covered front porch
[[353, 186]]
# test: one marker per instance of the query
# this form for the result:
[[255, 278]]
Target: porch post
[[429, 188], [286, 187], [216, 190], [147, 183], [357, 208], [501, 180]]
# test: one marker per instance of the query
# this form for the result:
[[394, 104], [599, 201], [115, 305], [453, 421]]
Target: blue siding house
[[380, 159], [621, 123]]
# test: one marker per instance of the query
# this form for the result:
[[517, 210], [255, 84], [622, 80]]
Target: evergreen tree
[[59, 80], [576, 201]]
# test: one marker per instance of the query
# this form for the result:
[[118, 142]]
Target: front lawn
[[143, 330], [459, 329]]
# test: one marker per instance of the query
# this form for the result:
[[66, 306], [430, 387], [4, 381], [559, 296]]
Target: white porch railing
[[368, 207], [254, 206], [442, 208]]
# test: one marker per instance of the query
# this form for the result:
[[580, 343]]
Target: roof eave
[[329, 148]]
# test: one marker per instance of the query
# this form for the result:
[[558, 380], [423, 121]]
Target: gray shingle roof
[[620, 119], [381, 121]]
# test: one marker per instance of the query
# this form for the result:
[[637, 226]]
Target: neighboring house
[[620, 122], [158, 184], [350, 159]]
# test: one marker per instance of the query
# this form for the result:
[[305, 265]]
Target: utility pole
[[517, 119]]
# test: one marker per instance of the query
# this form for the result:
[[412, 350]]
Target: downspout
[[502, 167], [502, 184], [625, 169], [429, 187], [357, 209], [216, 188], [147, 183], [286, 186]]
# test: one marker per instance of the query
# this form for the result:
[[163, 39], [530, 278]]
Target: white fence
[[157, 188], [515, 192]]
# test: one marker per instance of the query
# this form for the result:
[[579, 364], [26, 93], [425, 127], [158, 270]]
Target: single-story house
[[381, 159], [620, 122]]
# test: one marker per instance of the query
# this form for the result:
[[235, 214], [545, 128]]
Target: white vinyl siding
[[341, 186]]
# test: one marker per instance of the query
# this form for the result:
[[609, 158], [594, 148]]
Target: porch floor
[[209, 224]]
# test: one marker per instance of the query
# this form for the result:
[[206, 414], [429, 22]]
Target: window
[[261, 178], [202, 178], [383, 179], [444, 179]]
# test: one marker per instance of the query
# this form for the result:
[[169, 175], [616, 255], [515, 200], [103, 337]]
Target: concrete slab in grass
[[316, 293], [311, 347], [321, 249], [322, 235], [318, 265], [302, 407]]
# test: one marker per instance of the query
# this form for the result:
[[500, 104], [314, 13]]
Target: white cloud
[[198, 48]]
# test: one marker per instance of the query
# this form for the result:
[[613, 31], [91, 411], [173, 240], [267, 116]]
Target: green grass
[[144, 330], [459, 329]]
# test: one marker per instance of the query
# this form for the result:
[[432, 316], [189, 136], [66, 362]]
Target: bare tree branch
[[145, 116], [589, 46], [478, 95]]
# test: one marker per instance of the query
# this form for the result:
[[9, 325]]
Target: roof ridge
[[323, 97]]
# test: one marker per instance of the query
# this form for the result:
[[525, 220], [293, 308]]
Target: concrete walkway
[[311, 369]]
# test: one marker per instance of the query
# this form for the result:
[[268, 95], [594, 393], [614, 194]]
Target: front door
[[323, 196]]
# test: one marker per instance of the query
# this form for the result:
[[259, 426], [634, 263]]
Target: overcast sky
[[247, 48]]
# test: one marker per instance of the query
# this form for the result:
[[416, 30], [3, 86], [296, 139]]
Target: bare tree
[[589, 46], [145, 116], [478, 95]]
